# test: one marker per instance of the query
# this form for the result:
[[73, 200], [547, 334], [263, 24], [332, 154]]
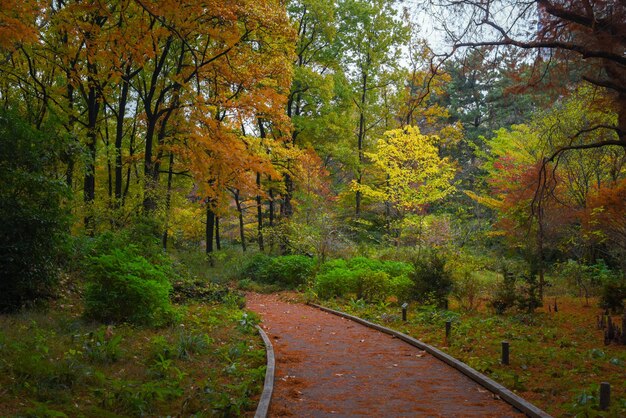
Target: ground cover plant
[[558, 358], [56, 363]]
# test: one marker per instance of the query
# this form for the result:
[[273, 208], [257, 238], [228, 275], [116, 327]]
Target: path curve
[[331, 366]]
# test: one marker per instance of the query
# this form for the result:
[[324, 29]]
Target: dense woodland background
[[328, 129], [464, 156]]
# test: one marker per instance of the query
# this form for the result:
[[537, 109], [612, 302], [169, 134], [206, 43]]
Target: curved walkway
[[331, 366]]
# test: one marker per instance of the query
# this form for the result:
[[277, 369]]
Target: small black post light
[[505, 352], [605, 395]]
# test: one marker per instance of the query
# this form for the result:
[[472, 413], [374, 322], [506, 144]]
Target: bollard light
[[505, 352], [605, 395]]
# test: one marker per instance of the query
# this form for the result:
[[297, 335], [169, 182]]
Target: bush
[[468, 283], [504, 295], [374, 286], [402, 288], [372, 280], [519, 290], [432, 283], [330, 265], [124, 287], [363, 263], [289, 271], [396, 268], [258, 269], [33, 223], [613, 294], [292, 270], [579, 278], [337, 282]]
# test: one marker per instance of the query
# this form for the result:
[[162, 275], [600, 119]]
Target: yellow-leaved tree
[[411, 173]]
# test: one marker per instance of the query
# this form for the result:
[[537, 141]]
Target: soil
[[331, 366]]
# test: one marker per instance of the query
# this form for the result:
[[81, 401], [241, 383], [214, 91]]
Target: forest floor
[[558, 359], [54, 363], [327, 365]]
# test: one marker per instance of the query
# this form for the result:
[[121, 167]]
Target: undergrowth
[[56, 364]]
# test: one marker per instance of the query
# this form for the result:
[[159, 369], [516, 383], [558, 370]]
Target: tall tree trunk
[[89, 183], [242, 235], [149, 202], [218, 243], [360, 141], [107, 144], [540, 252], [210, 228], [287, 206], [271, 208], [69, 154], [131, 153], [168, 200], [259, 213], [119, 136], [271, 218]]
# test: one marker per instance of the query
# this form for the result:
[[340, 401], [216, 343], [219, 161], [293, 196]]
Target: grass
[[54, 364], [557, 359]]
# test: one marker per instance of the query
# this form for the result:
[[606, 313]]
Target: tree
[[412, 173], [33, 220], [519, 175], [588, 35], [313, 105], [371, 37], [140, 83]]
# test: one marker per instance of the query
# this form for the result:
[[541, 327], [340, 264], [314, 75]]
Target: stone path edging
[[504, 393], [268, 384]]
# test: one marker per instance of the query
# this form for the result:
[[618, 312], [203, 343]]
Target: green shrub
[[292, 270], [124, 287], [401, 288], [432, 283], [613, 294], [504, 295], [329, 265], [289, 271], [337, 282], [374, 286], [396, 268], [465, 270], [363, 263], [258, 269], [33, 222], [372, 280]]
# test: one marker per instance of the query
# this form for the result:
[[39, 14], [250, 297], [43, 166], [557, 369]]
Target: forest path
[[331, 366]]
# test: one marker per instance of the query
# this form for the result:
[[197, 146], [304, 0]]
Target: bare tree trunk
[[259, 213], [168, 200], [242, 234], [218, 242]]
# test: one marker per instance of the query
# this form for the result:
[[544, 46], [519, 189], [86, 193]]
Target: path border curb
[[495, 387], [268, 384]]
